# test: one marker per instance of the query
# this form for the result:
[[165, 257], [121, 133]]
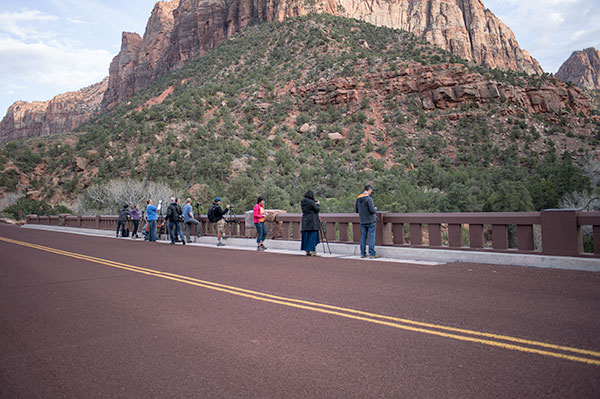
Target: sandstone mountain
[[62, 114], [179, 30], [183, 29], [329, 103], [582, 68]]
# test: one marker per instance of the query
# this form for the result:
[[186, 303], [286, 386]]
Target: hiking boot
[[220, 244], [374, 256], [183, 242], [314, 253], [363, 256]]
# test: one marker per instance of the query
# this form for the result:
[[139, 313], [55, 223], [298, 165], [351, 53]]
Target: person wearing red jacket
[[258, 216]]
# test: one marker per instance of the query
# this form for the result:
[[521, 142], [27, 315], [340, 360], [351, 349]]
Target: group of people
[[174, 217], [310, 226], [124, 215]]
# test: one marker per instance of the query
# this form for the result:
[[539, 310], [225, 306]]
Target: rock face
[[141, 61], [182, 29], [446, 86], [60, 115], [582, 68]]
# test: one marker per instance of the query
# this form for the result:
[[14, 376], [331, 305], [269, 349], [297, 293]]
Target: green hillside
[[242, 121]]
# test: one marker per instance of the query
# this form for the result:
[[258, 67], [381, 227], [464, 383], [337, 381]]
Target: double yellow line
[[495, 340]]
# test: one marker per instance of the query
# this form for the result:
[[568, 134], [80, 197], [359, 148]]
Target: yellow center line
[[390, 321]]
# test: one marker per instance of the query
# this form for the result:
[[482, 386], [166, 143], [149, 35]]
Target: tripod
[[230, 219], [161, 224], [198, 227], [145, 227], [324, 237]]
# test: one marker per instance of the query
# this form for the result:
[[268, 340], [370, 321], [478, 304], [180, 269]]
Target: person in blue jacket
[[368, 222], [152, 218]]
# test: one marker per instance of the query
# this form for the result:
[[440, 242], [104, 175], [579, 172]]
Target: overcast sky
[[53, 46]]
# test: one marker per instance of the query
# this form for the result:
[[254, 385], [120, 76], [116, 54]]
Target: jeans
[[188, 226], [136, 223], [120, 227], [175, 230], [369, 229], [152, 231], [261, 232]]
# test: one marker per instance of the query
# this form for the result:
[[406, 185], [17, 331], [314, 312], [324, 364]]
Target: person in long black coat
[[310, 223]]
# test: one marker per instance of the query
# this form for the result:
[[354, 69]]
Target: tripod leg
[[324, 237], [326, 241], [321, 236]]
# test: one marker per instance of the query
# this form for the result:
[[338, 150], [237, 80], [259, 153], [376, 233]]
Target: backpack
[[213, 214]]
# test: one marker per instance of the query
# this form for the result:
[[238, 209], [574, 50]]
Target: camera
[[231, 206]]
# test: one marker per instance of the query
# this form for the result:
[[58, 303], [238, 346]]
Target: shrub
[[30, 206]]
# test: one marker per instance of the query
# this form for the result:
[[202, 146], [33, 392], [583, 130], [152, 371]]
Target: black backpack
[[213, 213]]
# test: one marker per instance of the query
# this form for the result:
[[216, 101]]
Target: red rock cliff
[[62, 114], [189, 28], [182, 29], [582, 68]]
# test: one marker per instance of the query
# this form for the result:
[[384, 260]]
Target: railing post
[[499, 236], [97, 222], [285, 232], [379, 235], [242, 228], [560, 233], [356, 232], [454, 235], [596, 231], [330, 231], [388, 236], [416, 234], [398, 231], [344, 231], [296, 234], [525, 237], [435, 234], [476, 235]]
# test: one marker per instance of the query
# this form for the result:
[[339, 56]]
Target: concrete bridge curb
[[389, 254]]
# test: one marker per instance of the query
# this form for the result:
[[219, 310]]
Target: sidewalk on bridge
[[422, 256]]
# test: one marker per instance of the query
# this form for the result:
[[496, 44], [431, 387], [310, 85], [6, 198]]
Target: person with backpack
[[122, 221], [175, 217], [215, 215]]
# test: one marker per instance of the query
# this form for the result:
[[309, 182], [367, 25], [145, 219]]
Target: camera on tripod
[[230, 218]]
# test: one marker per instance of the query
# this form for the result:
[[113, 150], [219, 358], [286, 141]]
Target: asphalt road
[[89, 317]]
